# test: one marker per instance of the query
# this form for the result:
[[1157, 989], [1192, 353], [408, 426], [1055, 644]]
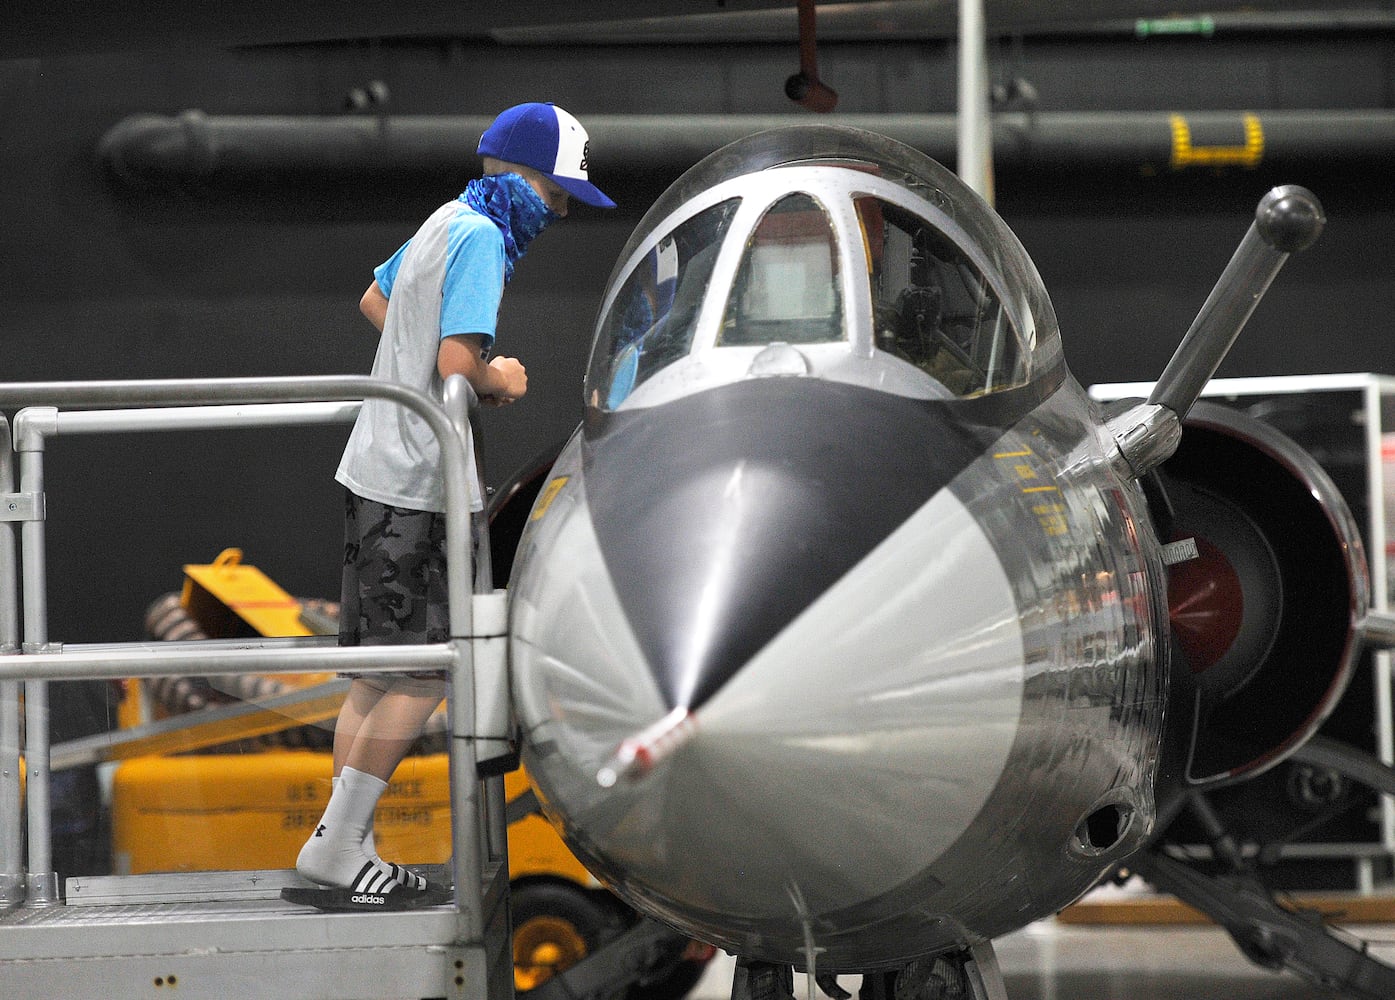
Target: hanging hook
[[805, 88]]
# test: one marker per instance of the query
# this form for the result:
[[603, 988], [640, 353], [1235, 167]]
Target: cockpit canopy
[[821, 251]]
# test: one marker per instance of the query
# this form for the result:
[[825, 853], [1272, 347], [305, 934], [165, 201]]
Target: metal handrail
[[241, 402]]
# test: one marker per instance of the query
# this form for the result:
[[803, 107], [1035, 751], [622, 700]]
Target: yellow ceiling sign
[[1248, 155]]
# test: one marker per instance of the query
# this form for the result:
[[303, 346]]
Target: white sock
[[334, 853], [402, 876], [369, 847]]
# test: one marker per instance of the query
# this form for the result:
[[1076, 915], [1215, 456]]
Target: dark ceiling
[[65, 26]]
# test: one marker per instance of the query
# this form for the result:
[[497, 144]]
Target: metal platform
[[148, 935], [221, 935]]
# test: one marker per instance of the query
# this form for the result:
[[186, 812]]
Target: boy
[[435, 302]]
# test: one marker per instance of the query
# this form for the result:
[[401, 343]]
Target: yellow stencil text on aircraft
[[549, 494]]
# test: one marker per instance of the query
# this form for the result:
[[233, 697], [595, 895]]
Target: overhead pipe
[[155, 152], [917, 20], [160, 151]]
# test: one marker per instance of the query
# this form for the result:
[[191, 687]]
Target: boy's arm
[[499, 381], [374, 306]]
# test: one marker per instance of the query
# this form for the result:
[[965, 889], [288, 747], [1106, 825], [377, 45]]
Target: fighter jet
[[847, 630]]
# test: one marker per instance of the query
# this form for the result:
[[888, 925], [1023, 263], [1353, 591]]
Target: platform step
[[199, 887]]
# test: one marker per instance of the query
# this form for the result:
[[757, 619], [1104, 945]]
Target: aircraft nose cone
[[722, 516], [785, 658], [718, 559]]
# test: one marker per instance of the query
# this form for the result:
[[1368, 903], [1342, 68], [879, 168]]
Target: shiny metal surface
[[912, 631], [1287, 220], [1147, 435]]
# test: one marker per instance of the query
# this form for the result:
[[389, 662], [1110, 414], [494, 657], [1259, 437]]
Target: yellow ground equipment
[[248, 812], [228, 598]]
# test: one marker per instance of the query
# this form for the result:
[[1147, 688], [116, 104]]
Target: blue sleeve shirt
[[448, 279], [472, 284]]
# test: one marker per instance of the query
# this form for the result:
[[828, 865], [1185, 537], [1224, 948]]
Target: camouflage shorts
[[394, 583]]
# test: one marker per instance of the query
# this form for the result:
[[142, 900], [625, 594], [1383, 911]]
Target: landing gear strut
[[970, 974]]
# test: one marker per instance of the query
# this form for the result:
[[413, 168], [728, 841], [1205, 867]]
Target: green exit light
[[1144, 27]]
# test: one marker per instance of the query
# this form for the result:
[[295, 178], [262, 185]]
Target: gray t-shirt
[[447, 279]]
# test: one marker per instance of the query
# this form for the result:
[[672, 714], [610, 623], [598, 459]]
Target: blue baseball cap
[[549, 140]]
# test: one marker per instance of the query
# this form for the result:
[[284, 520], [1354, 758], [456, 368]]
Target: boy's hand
[[512, 379]]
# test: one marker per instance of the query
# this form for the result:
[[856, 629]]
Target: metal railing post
[[467, 853], [42, 880], [12, 875], [496, 824]]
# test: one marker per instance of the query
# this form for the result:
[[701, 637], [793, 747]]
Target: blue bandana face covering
[[510, 203]]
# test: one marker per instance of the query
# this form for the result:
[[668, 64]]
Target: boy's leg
[[397, 708], [393, 724], [358, 703], [393, 593]]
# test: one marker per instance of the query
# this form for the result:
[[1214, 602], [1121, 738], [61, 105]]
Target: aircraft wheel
[[554, 927]]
